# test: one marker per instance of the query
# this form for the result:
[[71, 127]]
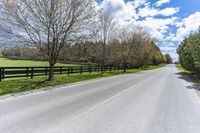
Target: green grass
[[189, 76], [26, 63], [26, 84], [182, 69]]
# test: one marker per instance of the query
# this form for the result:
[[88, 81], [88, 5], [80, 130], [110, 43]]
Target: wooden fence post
[[32, 72], [3, 73], [68, 70], [0, 75], [95, 68], [60, 70], [81, 70], [90, 69], [46, 71], [98, 68], [72, 69], [27, 72]]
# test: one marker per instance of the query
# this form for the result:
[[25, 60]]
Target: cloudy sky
[[167, 20]]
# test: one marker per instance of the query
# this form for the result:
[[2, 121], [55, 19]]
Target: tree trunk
[[125, 67], [103, 56], [124, 64], [51, 72]]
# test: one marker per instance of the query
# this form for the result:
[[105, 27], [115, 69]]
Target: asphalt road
[[156, 101]]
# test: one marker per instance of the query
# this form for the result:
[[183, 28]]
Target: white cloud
[[124, 12], [169, 11], [161, 2], [172, 37], [147, 11], [112, 5], [187, 26], [158, 27], [168, 49], [138, 3]]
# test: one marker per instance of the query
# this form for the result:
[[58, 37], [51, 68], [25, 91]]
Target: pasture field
[[26, 63]]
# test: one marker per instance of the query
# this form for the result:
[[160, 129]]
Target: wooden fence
[[30, 72]]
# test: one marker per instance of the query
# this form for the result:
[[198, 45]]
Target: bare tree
[[131, 42], [106, 30], [144, 45], [126, 46], [50, 24]]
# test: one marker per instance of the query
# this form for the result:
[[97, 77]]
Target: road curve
[[156, 101]]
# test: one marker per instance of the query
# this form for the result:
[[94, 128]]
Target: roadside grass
[[26, 63], [182, 69], [26, 84], [191, 76]]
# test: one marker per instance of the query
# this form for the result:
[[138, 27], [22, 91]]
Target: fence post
[[60, 70], [46, 71], [98, 68], [81, 70], [27, 73], [68, 71], [102, 67], [3, 73], [72, 70], [90, 69], [95, 68], [32, 69], [0, 75]]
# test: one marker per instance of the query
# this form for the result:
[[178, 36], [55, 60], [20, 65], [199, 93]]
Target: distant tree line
[[168, 59], [189, 53], [144, 53], [20, 53]]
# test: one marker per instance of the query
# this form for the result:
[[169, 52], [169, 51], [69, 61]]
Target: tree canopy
[[189, 52]]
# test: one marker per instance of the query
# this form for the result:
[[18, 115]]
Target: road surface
[[156, 101]]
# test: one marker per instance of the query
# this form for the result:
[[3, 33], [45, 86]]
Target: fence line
[[30, 72]]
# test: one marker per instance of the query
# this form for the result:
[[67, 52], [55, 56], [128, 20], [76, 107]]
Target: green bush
[[189, 53]]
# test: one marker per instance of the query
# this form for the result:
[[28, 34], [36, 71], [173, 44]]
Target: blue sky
[[170, 21]]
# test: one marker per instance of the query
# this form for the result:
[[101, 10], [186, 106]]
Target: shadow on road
[[192, 79]]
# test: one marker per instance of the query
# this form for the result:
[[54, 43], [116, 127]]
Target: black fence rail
[[30, 72]]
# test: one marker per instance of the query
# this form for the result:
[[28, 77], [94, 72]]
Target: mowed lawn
[[26, 63], [16, 85]]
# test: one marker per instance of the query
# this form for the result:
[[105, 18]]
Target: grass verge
[[191, 76], [27, 84], [182, 69]]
